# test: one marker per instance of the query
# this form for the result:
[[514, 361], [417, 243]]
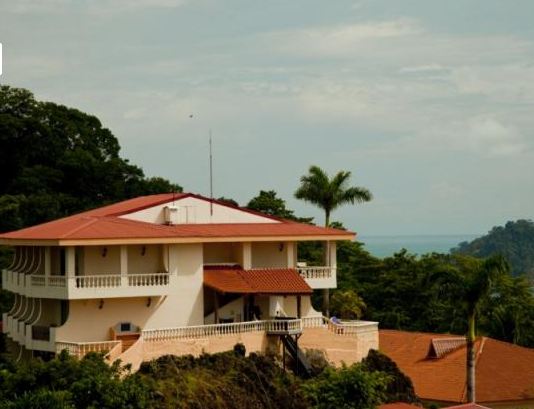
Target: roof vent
[[171, 214]]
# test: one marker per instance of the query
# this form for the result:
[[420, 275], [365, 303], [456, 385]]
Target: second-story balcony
[[86, 286], [318, 276]]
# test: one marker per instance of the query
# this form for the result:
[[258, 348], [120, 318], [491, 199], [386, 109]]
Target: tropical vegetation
[[228, 380], [328, 194], [514, 241]]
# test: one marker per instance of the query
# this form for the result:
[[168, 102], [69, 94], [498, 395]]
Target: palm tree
[[471, 281], [317, 188]]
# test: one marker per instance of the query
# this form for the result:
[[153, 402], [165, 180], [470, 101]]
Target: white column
[[124, 265], [291, 254], [247, 256], [70, 261], [333, 254]]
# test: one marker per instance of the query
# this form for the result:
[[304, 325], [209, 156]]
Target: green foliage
[[56, 161], [329, 193], [400, 387], [514, 241], [347, 304], [227, 380], [66, 382], [224, 380], [267, 202], [347, 387], [409, 293], [228, 201]]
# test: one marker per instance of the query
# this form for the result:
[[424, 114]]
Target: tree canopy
[[329, 193], [514, 241], [56, 161]]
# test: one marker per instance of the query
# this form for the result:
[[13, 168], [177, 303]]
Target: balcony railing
[[316, 272], [98, 281], [79, 349], [86, 286], [280, 327]]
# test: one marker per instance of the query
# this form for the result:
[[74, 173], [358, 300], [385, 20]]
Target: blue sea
[[383, 246]]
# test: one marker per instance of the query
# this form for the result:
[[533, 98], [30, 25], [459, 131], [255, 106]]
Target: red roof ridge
[[90, 220]]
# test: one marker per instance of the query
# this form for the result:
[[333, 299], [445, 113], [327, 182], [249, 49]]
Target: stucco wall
[[269, 255], [87, 322], [94, 263], [192, 210], [150, 262], [221, 252], [232, 310], [337, 348], [185, 304], [145, 351]]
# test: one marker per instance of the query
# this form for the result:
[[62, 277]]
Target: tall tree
[[329, 193], [56, 160], [473, 281]]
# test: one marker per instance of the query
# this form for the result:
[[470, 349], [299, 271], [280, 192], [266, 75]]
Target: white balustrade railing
[[98, 281], [38, 280], [215, 330], [202, 331], [147, 280], [283, 326], [316, 272], [313, 322], [15, 281], [79, 349], [57, 281], [350, 328]]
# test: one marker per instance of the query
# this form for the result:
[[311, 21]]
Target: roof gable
[[195, 209]]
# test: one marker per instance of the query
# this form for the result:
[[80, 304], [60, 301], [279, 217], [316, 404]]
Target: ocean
[[384, 246]]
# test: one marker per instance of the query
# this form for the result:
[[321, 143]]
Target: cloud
[[93, 6], [340, 39], [487, 134]]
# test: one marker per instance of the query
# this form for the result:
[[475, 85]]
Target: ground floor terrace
[[347, 341]]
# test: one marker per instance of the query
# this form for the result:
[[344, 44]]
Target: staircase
[[303, 367]]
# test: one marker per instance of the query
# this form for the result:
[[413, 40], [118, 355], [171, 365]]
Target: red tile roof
[[258, 281], [504, 372], [399, 405], [468, 406], [103, 223]]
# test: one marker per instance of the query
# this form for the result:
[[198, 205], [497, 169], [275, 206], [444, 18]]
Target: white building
[[168, 273]]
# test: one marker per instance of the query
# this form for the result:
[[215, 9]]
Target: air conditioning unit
[[171, 214]]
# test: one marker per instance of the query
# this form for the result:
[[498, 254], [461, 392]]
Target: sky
[[428, 103]]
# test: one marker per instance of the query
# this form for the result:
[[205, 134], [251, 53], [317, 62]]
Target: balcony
[[319, 276], [87, 286]]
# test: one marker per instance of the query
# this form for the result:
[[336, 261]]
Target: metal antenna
[[211, 179]]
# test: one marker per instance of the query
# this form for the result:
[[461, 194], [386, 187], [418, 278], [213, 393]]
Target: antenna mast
[[211, 179]]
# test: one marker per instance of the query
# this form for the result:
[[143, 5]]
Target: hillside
[[515, 241]]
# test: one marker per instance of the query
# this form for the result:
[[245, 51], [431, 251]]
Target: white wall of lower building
[[91, 320], [185, 303]]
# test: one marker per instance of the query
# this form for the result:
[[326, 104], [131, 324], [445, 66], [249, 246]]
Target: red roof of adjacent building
[[104, 223], [399, 405], [468, 406], [504, 372], [258, 281]]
